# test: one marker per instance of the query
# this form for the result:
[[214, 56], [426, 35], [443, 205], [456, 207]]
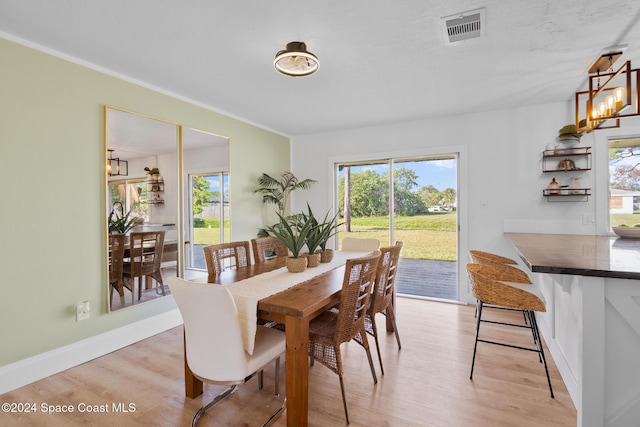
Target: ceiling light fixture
[[296, 61], [612, 95], [116, 167]]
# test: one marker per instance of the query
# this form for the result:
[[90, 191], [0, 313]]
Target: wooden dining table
[[295, 308]]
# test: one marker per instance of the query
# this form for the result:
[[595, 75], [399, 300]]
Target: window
[[133, 196], [624, 181]]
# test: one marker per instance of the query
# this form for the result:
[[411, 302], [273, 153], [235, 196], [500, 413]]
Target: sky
[[440, 173]]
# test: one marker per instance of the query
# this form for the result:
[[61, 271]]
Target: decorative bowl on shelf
[[627, 232]]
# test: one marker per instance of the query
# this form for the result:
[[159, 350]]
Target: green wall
[[52, 242]]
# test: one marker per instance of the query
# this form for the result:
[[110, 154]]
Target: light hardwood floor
[[425, 384]]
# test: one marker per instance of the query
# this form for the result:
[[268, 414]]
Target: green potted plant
[[154, 174], [569, 135], [119, 222], [314, 238], [327, 229], [277, 191], [292, 232]]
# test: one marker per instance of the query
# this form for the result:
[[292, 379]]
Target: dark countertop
[[580, 255]]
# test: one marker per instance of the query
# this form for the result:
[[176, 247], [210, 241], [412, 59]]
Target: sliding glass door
[[418, 207], [209, 216]]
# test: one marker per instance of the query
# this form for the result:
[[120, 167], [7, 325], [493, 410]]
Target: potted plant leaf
[[119, 222], [292, 232], [278, 190], [327, 229], [314, 238]]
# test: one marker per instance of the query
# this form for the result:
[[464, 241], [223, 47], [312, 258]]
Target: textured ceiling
[[380, 61]]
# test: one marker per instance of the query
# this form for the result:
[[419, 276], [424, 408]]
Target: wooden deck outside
[[428, 278]]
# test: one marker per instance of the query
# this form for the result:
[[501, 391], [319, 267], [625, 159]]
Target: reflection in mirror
[[206, 193], [142, 205]]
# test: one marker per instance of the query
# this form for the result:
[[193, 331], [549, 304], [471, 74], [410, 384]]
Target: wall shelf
[[573, 159], [155, 188], [567, 160], [567, 195]]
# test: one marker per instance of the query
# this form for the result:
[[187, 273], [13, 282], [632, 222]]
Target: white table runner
[[248, 292]]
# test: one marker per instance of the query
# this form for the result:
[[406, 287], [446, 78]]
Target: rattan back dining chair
[[117, 244], [145, 257], [382, 295], [213, 341], [336, 326], [491, 285], [265, 248], [359, 244], [236, 254]]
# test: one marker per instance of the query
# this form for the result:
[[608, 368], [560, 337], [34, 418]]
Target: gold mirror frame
[[145, 141]]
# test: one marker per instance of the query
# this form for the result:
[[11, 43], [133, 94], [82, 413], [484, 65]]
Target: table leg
[[192, 386], [297, 371]]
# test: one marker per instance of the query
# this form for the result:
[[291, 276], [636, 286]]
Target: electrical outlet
[[82, 311], [588, 219]]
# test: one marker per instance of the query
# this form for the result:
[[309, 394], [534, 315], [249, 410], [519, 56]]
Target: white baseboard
[[26, 371]]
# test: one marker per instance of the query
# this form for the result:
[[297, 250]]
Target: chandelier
[[116, 167], [612, 95]]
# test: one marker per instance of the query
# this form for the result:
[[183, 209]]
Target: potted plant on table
[[314, 238], [293, 233], [327, 229], [320, 233]]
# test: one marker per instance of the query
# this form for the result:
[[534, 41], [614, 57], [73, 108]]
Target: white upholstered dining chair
[[358, 244], [213, 341]]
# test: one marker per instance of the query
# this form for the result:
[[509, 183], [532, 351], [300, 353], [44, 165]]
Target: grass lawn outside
[[627, 219], [431, 236]]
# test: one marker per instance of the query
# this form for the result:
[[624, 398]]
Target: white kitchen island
[[592, 324]]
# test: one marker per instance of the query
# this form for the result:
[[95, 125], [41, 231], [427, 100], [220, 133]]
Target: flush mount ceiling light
[[296, 61], [116, 167], [612, 95]]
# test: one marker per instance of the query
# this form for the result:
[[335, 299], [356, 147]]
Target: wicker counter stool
[[507, 264], [492, 285], [480, 257]]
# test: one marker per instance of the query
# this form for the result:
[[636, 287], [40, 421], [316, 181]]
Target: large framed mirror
[[205, 207], [153, 169]]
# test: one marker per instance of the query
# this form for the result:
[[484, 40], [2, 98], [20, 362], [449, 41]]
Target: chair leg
[[391, 314], [344, 399], [375, 338], [365, 344], [219, 398], [534, 325], [475, 345], [260, 379], [534, 333], [277, 376]]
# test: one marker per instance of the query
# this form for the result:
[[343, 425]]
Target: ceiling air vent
[[464, 26]]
